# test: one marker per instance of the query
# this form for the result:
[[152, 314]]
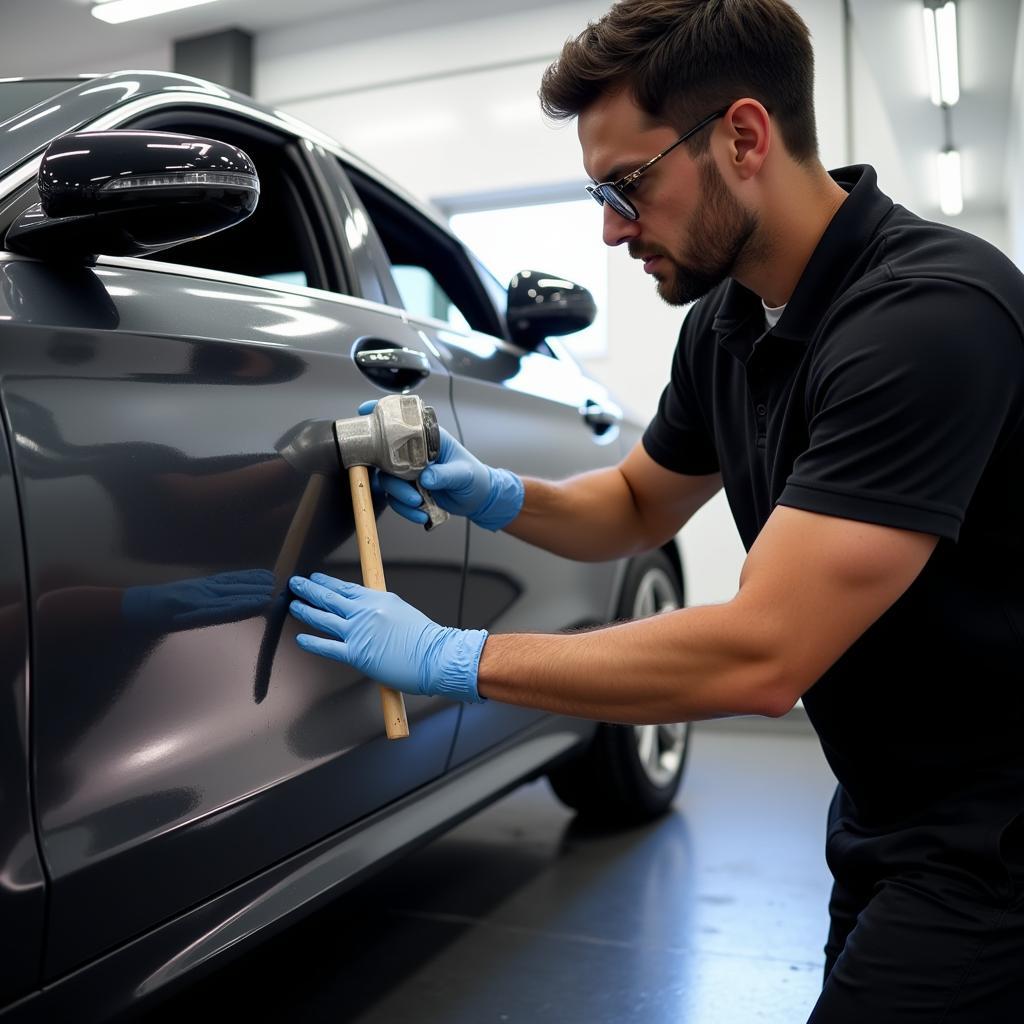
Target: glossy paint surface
[[147, 968], [146, 450], [79, 170]]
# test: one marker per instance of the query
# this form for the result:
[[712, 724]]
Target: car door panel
[[522, 411], [145, 442]]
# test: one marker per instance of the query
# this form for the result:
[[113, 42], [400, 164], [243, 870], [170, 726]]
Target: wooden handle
[[395, 723]]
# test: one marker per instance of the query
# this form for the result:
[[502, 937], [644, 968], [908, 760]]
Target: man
[[854, 376]]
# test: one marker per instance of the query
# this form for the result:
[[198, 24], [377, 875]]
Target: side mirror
[[541, 305], [127, 193]]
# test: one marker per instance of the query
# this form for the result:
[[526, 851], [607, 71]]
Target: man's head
[[647, 73]]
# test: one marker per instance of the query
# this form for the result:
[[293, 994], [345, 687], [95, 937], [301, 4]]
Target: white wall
[[1014, 177], [452, 109]]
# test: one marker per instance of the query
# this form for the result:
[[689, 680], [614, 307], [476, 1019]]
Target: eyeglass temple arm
[[633, 175]]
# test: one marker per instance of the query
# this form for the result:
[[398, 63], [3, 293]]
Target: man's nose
[[616, 229]]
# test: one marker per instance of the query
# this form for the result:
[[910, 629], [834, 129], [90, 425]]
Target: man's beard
[[718, 235]]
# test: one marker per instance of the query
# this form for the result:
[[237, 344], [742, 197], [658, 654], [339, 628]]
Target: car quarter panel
[[147, 406]]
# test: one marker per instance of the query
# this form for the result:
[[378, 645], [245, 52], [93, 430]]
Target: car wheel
[[630, 773]]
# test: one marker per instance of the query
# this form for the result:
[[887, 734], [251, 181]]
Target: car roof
[[90, 97]]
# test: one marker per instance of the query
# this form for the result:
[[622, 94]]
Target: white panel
[[874, 139], [1015, 159], [824, 19]]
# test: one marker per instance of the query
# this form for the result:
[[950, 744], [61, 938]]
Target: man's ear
[[749, 129]]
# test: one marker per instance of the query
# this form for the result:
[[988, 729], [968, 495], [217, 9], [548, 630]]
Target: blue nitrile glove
[[206, 601], [460, 483], [382, 636]]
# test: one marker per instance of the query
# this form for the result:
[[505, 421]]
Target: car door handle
[[599, 418], [392, 367]]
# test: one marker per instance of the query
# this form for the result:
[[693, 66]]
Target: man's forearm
[[590, 518], [686, 665]]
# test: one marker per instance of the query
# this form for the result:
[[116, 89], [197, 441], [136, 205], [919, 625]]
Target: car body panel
[[165, 756], [22, 885], [203, 938]]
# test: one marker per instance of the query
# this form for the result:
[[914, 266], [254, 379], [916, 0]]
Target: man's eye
[[630, 186]]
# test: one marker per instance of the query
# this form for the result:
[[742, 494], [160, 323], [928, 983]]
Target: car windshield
[[16, 96]]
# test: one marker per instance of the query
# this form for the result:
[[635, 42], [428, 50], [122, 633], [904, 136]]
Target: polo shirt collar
[[844, 240]]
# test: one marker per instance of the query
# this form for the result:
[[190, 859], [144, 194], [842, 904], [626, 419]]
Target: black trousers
[[925, 929]]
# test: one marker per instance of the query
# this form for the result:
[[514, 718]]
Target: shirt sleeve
[[679, 437], [909, 395]]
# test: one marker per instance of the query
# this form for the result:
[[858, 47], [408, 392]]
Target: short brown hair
[[685, 59]]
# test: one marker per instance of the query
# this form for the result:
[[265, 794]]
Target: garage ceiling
[[47, 36]]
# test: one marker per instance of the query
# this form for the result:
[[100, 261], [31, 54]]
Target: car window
[[422, 295], [430, 268], [282, 240]]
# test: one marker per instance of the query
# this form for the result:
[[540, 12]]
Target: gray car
[[177, 778]]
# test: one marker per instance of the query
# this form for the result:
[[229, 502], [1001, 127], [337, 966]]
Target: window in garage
[[560, 238]]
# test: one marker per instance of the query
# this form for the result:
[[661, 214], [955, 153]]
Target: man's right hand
[[460, 483]]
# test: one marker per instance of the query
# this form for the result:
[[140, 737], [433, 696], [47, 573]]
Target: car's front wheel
[[630, 773]]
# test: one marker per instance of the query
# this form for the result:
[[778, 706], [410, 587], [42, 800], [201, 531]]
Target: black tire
[[630, 774]]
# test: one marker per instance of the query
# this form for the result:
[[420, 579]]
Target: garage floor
[[716, 913]]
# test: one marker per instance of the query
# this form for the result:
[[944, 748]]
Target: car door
[[527, 411], [182, 741]]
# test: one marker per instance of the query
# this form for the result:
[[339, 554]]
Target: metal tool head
[[401, 436]]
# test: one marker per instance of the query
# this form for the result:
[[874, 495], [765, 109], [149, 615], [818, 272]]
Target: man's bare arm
[[610, 513], [810, 586]]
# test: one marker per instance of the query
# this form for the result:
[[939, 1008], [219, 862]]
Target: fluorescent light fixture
[[116, 11], [951, 188], [941, 52]]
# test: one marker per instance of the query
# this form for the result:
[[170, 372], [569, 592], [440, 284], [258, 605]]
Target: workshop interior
[[310, 711]]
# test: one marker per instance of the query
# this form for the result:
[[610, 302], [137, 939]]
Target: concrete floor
[[714, 915]]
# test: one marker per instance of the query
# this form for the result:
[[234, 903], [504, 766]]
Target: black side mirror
[[542, 305], [128, 193]]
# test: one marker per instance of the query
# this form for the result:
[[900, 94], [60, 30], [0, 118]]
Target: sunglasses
[[614, 192]]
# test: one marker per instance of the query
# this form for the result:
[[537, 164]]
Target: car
[[189, 282]]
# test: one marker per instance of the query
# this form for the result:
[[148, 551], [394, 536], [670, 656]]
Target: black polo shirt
[[891, 391]]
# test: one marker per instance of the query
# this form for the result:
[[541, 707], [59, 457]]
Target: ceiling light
[[116, 11], [941, 51], [951, 188]]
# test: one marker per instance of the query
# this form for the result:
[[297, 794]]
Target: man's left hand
[[381, 635]]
